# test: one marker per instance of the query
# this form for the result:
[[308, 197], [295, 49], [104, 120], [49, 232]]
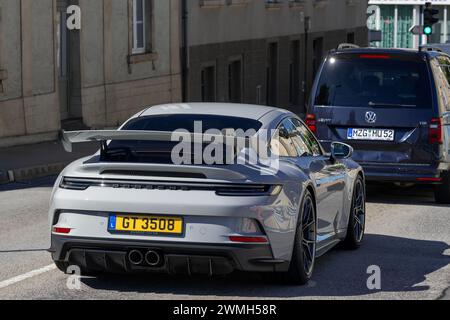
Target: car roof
[[247, 111], [410, 52]]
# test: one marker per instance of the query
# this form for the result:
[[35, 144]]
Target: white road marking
[[26, 276]]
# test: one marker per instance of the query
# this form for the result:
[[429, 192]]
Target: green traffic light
[[428, 30]]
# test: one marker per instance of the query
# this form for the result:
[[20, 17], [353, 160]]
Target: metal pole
[[421, 26], [305, 83], [258, 94], [184, 50]]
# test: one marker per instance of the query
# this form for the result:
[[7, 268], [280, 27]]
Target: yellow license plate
[[146, 224]]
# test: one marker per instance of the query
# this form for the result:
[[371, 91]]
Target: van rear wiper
[[389, 105]]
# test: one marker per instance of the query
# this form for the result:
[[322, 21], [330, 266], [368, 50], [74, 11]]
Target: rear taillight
[[75, 184], [243, 239], [61, 230], [311, 122], [375, 56], [436, 133]]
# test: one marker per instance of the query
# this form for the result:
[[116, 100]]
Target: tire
[[304, 254], [357, 217], [442, 192]]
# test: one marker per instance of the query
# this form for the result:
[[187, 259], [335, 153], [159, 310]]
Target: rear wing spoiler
[[103, 136]]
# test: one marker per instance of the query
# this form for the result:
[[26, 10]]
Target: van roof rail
[[429, 48], [344, 46]]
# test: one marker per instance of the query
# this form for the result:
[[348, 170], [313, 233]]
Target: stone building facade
[[125, 57], [129, 54], [253, 51]]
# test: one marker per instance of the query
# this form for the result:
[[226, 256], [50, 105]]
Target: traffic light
[[429, 18]]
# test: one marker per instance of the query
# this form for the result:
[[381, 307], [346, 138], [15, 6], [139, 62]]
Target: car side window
[[306, 141], [281, 144], [300, 142], [444, 64], [445, 67], [441, 73]]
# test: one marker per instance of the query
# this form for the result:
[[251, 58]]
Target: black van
[[393, 107]]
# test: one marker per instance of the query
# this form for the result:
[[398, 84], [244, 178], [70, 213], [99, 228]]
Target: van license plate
[[371, 134]]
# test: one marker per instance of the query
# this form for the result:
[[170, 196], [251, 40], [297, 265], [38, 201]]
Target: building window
[[142, 22], [235, 81], [208, 84], [387, 17], [317, 54], [273, 3], [404, 23], [294, 73], [351, 37], [395, 22], [272, 74]]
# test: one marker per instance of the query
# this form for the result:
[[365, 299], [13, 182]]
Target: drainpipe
[[184, 49], [3, 73], [421, 26], [305, 82]]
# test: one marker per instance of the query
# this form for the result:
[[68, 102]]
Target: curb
[[30, 173]]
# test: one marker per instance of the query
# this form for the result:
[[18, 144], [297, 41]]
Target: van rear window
[[355, 80]]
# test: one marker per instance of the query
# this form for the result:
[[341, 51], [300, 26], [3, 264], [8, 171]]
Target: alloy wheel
[[359, 211], [309, 235]]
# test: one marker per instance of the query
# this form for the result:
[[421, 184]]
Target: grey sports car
[[206, 189]]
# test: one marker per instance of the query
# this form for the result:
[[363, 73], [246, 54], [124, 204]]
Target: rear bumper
[[418, 174], [208, 219], [177, 258]]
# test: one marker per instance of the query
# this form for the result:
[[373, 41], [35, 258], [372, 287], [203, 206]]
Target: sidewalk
[[39, 160]]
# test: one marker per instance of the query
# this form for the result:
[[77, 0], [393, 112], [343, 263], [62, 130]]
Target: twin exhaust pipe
[[150, 258]]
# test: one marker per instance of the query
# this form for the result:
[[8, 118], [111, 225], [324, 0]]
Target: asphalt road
[[408, 237]]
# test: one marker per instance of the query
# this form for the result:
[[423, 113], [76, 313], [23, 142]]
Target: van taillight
[[311, 122], [436, 133], [374, 56]]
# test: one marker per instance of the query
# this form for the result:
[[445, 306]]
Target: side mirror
[[341, 150]]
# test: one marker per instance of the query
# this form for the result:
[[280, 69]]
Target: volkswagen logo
[[371, 117]]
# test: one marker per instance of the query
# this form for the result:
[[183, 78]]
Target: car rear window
[[172, 122], [374, 80], [160, 151]]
